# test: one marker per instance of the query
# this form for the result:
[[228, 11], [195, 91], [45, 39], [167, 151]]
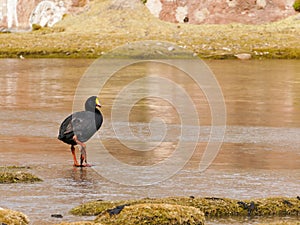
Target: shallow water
[[259, 157]]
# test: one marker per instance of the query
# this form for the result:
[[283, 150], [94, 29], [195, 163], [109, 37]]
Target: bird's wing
[[69, 127], [84, 125], [65, 128]]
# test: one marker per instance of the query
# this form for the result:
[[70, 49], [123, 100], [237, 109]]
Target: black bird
[[80, 127]]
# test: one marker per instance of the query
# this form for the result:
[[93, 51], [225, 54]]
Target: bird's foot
[[87, 165], [82, 165], [76, 165]]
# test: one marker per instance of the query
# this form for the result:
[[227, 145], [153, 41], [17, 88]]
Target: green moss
[[15, 174], [79, 223], [277, 206], [17, 177], [281, 223], [36, 27], [94, 208], [296, 5], [148, 213], [211, 207]]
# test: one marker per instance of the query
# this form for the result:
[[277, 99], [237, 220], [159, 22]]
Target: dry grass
[[102, 28]]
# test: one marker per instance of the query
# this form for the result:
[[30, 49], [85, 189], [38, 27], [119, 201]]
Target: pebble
[[57, 215], [243, 56], [171, 48]]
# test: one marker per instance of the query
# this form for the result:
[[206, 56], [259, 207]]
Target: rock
[[201, 15], [125, 4], [243, 56], [261, 4], [8, 177], [79, 223], [11, 217], [154, 7], [171, 48], [181, 13], [47, 13], [17, 14], [221, 11], [231, 3], [57, 216], [210, 206], [154, 214]]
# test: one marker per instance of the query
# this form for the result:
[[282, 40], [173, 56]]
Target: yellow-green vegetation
[[79, 223], [14, 174], [163, 214], [211, 207], [281, 223], [296, 5], [11, 217], [103, 27]]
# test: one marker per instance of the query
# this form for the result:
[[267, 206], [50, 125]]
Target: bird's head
[[92, 103]]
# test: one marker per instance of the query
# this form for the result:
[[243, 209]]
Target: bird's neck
[[97, 111]]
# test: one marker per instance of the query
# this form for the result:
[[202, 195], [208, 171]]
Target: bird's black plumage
[[83, 124]]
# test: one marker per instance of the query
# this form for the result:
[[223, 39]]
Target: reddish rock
[[188, 11], [25, 8], [222, 11]]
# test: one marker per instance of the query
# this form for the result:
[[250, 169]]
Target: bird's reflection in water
[[80, 174]]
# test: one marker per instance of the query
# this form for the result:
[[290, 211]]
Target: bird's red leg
[[74, 156], [83, 152]]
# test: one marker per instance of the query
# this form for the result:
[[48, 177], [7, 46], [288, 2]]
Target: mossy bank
[[15, 174], [11, 217], [186, 210], [102, 28], [176, 210], [210, 206]]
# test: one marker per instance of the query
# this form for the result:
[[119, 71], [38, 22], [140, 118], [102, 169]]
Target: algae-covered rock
[[16, 174], [281, 223], [11, 217], [277, 206], [148, 213], [17, 177], [210, 206], [79, 223], [94, 208]]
